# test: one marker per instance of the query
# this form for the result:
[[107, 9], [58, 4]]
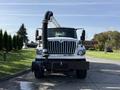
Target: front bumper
[[63, 64]]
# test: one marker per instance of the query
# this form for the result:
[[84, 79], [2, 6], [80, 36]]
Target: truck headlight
[[39, 52], [81, 52]]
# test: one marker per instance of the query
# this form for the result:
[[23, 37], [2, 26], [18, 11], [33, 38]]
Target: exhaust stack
[[47, 17]]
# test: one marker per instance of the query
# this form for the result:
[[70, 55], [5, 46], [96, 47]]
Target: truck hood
[[61, 38]]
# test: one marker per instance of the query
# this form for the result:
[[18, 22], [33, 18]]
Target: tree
[[19, 42], [10, 43], [115, 39], [5, 41], [1, 40], [101, 39], [15, 42], [22, 33], [108, 39]]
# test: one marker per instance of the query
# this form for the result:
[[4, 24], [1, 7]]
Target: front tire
[[39, 74], [81, 74]]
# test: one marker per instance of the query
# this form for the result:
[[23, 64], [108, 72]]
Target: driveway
[[103, 75]]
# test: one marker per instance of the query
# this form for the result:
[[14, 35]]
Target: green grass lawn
[[99, 54], [16, 62]]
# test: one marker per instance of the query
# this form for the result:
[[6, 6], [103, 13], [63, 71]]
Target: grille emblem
[[61, 41]]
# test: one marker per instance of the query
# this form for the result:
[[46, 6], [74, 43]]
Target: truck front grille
[[65, 47]]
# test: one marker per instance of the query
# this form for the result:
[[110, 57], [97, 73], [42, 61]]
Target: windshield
[[62, 32]]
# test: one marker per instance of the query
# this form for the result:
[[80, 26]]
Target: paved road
[[103, 75]]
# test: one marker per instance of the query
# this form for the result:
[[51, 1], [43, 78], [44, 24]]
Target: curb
[[15, 75]]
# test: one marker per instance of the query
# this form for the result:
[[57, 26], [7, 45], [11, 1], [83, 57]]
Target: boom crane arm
[[54, 21]]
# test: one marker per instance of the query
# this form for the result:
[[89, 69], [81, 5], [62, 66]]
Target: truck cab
[[60, 51]]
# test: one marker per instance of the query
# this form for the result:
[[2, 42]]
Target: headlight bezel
[[39, 52], [81, 52]]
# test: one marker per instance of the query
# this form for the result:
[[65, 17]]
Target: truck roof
[[68, 28]]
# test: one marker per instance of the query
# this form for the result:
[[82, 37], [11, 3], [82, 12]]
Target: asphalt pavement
[[103, 75]]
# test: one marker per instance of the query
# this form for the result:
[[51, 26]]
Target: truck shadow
[[100, 76]]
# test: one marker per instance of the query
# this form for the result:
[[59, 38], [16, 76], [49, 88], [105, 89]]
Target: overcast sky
[[93, 15]]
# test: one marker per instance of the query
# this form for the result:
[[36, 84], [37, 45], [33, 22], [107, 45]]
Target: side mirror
[[37, 37], [40, 37], [83, 36]]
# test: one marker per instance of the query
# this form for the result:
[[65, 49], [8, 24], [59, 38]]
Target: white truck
[[60, 51]]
